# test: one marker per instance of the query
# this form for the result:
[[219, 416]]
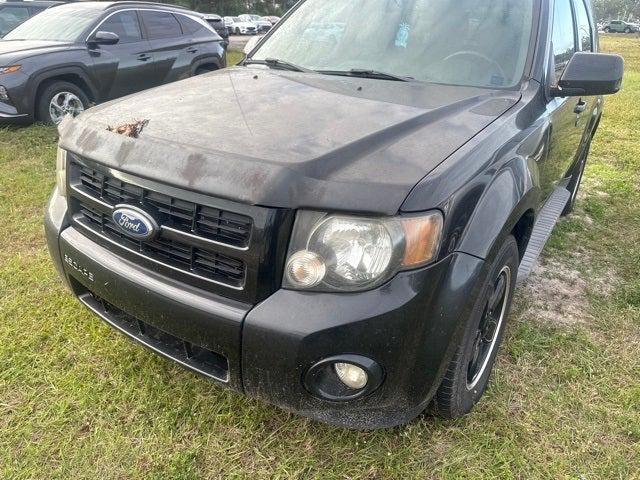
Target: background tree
[[617, 9]]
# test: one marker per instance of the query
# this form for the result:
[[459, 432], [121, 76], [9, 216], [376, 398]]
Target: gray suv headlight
[[330, 252]]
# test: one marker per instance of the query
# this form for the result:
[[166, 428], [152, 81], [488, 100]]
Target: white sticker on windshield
[[402, 37]]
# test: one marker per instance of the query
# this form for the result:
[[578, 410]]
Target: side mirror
[[590, 74], [104, 38], [251, 44]]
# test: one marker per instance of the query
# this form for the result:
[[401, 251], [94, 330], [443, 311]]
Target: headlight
[[349, 253], [61, 171], [10, 69]]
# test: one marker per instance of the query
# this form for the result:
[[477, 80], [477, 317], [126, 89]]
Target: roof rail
[[143, 2]]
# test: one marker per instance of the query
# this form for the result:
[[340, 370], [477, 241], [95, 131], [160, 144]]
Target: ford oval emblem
[[135, 222]]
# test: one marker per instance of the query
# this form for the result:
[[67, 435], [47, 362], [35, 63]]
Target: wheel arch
[[522, 230], [74, 75], [214, 63], [507, 207]]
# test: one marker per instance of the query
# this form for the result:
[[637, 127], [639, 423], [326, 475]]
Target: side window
[[36, 10], [125, 25], [161, 25], [13, 16], [564, 45], [585, 39], [189, 26]]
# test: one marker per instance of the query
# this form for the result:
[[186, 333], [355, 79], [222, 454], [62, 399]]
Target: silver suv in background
[[620, 26]]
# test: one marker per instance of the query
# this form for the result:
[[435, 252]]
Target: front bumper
[[19, 107], [410, 327]]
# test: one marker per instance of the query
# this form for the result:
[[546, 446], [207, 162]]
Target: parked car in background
[[71, 56], [339, 228], [237, 26], [620, 26], [262, 25], [217, 22], [271, 19], [13, 13]]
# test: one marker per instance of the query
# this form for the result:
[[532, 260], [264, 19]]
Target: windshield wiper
[[367, 73], [282, 64]]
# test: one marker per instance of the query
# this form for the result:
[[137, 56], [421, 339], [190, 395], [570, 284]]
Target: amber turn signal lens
[[422, 238], [10, 69]]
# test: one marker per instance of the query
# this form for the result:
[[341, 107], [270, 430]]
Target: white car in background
[[262, 24], [237, 26]]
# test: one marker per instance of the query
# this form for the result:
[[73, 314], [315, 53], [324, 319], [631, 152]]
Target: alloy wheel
[[64, 103]]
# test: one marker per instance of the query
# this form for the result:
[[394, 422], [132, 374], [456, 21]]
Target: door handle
[[192, 50], [581, 106], [143, 57]]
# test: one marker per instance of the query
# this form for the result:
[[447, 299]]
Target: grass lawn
[[78, 400]]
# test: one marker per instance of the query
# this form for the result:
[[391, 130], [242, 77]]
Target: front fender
[[512, 192]]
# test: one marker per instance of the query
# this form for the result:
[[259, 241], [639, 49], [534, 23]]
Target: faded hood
[[284, 139], [14, 49]]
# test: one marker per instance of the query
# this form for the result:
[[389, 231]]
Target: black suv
[[13, 13], [73, 55], [217, 22], [338, 227]]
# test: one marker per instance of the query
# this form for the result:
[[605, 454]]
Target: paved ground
[[237, 42]]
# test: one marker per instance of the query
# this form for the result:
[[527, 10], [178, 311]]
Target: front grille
[[221, 226], [204, 241], [201, 262]]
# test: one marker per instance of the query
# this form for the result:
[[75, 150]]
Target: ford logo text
[[135, 222]]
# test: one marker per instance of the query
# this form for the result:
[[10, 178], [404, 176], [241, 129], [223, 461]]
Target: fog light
[[351, 375], [4, 95], [305, 269]]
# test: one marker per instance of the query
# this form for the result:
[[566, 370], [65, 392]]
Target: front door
[[126, 67], [566, 114]]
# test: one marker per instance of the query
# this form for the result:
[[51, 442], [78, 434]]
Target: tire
[[59, 88], [468, 373], [576, 181], [627, 30], [237, 31], [607, 30]]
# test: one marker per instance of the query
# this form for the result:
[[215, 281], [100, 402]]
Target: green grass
[[78, 400], [234, 56]]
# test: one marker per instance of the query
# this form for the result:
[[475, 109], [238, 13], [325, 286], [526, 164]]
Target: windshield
[[62, 24], [480, 43]]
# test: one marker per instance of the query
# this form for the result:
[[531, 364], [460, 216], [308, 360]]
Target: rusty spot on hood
[[133, 129]]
